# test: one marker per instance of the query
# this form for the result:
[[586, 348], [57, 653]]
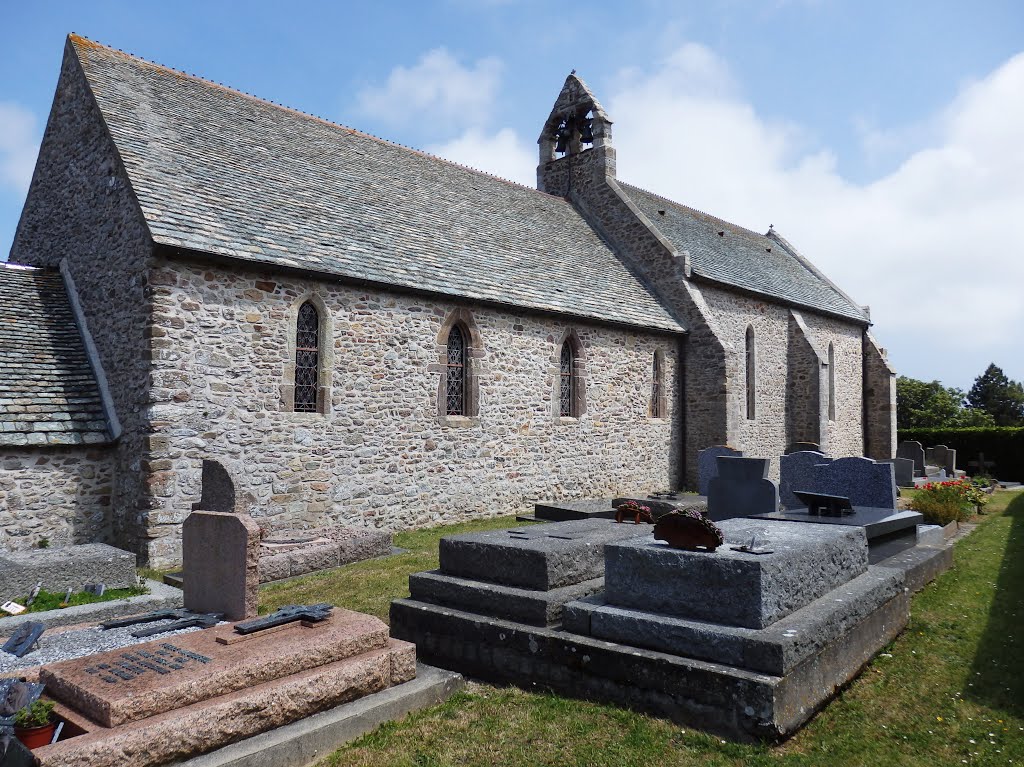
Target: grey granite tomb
[[864, 481], [797, 472], [741, 489], [915, 452], [707, 465], [734, 587], [903, 469]]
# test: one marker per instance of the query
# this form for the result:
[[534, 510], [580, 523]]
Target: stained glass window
[[565, 393], [751, 374], [456, 378], [307, 359], [656, 387]]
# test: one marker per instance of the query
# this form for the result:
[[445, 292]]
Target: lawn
[[949, 690]]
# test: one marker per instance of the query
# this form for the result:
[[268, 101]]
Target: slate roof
[[224, 173], [48, 394], [742, 258]]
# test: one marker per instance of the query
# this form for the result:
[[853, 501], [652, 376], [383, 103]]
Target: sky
[[885, 140]]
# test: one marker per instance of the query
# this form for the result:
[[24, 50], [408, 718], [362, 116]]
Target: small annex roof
[[224, 173], [732, 255], [48, 393]]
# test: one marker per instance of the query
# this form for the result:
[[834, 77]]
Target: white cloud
[[18, 146], [437, 89], [933, 246], [501, 154]]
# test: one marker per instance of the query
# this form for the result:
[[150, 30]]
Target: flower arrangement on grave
[[951, 501], [34, 724], [689, 530], [636, 510]]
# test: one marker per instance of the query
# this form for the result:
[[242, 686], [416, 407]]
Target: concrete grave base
[[66, 567], [731, 701], [290, 553]]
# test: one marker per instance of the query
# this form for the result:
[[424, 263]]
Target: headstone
[[220, 555], [707, 465], [218, 491], [864, 481], [798, 447], [945, 458], [915, 452], [742, 488], [903, 468], [797, 472]]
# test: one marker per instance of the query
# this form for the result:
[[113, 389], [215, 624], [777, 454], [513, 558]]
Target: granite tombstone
[[915, 452], [798, 471], [707, 465], [742, 488]]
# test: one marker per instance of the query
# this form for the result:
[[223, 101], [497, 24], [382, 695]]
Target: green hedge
[[1002, 444]]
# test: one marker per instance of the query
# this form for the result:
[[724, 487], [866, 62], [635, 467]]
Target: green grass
[[954, 676], [51, 600], [368, 587]]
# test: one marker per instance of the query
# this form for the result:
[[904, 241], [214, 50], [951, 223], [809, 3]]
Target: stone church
[[364, 334]]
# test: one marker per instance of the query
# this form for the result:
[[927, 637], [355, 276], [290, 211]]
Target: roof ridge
[[692, 209], [87, 42]]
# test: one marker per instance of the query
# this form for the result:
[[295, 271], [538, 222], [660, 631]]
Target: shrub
[[945, 502]]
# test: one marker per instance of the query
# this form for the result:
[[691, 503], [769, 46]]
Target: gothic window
[[566, 395], [456, 373], [751, 360], [307, 359], [657, 388], [831, 383]]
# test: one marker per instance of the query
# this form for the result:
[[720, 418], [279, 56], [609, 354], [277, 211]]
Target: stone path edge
[[307, 740]]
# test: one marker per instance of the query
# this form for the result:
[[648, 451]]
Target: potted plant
[[34, 725]]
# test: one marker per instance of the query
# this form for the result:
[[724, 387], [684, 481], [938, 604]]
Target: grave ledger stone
[[221, 554]]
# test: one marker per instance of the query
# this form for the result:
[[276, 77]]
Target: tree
[[998, 396], [923, 405]]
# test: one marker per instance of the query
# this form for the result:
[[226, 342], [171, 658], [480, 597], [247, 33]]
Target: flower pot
[[36, 737]]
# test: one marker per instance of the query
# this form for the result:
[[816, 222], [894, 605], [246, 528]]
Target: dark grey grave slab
[[562, 511], [775, 650], [741, 489], [707, 464], [914, 451], [541, 557], [734, 587], [536, 608], [874, 522], [659, 506], [65, 567], [797, 471]]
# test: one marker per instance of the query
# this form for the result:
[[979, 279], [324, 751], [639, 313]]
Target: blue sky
[[883, 139]]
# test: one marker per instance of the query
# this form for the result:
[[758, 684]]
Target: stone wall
[[61, 494], [879, 402], [381, 455], [80, 207]]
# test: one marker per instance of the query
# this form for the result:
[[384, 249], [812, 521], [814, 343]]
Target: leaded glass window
[[656, 387], [307, 359], [751, 366], [565, 393], [456, 378]]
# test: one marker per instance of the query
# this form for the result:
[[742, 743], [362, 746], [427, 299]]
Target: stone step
[[205, 725], [774, 650], [86, 687], [537, 608]]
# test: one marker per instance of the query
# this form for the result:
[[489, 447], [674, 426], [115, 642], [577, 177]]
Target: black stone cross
[[287, 614]]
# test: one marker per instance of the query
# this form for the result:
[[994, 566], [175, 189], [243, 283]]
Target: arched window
[[751, 374], [456, 374], [657, 388], [307, 359], [567, 384], [831, 383]]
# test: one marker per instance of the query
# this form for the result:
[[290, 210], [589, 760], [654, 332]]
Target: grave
[[741, 488], [903, 469], [59, 569], [562, 511], [915, 452], [289, 553], [747, 644], [797, 471], [707, 465], [163, 701], [220, 553], [864, 481]]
